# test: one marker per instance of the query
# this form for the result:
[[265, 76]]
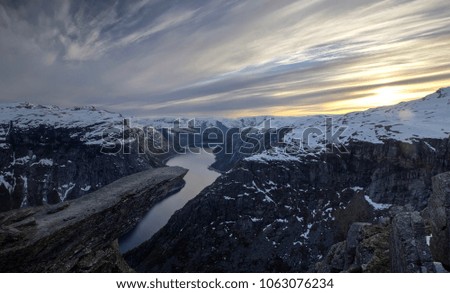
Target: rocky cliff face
[[49, 155], [399, 244], [408, 247], [366, 249], [438, 212], [269, 214], [80, 235]]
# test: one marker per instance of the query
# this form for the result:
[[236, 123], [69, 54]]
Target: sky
[[223, 58]]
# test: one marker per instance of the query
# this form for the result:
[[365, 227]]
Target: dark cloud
[[172, 57]]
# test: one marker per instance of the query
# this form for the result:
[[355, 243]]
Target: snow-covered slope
[[428, 117], [91, 121], [51, 154], [183, 122]]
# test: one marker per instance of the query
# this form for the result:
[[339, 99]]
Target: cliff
[[272, 215], [50, 154], [80, 235]]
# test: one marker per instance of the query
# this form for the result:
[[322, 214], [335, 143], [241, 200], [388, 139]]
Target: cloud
[[227, 58]]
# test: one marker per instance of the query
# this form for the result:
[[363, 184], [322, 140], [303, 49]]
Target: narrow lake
[[198, 177]]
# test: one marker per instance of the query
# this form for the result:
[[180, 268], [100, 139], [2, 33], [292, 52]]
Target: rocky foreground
[[408, 242], [81, 235]]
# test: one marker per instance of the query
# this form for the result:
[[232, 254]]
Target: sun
[[383, 96], [386, 96]]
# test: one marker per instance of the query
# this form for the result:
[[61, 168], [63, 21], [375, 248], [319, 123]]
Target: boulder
[[408, 248]]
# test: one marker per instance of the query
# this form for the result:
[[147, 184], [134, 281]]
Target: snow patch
[[44, 162], [428, 239], [86, 188], [22, 160], [357, 188], [275, 154], [7, 185], [306, 234], [377, 206], [429, 146], [268, 199], [25, 187], [69, 187]]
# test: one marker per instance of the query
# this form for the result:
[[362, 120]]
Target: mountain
[[361, 192], [282, 209], [52, 154], [405, 122]]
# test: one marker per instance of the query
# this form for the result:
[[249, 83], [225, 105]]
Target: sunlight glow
[[383, 96]]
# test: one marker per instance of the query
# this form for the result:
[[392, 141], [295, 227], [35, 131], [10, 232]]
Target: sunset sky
[[225, 58]]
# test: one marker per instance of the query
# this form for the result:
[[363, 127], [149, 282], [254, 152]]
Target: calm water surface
[[198, 177]]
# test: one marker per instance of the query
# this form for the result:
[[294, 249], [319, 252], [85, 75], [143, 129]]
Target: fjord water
[[198, 177]]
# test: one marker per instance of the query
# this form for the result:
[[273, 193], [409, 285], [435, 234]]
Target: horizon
[[131, 116], [228, 58]]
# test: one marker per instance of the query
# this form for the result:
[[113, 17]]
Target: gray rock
[[352, 242], [334, 261], [438, 212], [408, 248], [47, 165], [78, 235], [365, 250]]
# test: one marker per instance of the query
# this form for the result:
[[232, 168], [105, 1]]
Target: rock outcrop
[[366, 249], [407, 241], [398, 245], [439, 216], [80, 235], [408, 248]]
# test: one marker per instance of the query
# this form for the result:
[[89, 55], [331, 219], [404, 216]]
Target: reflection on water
[[198, 177]]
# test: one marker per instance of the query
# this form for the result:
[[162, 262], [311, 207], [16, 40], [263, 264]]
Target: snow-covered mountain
[[427, 118], [85, 124], [203, 122], [51, 154]]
